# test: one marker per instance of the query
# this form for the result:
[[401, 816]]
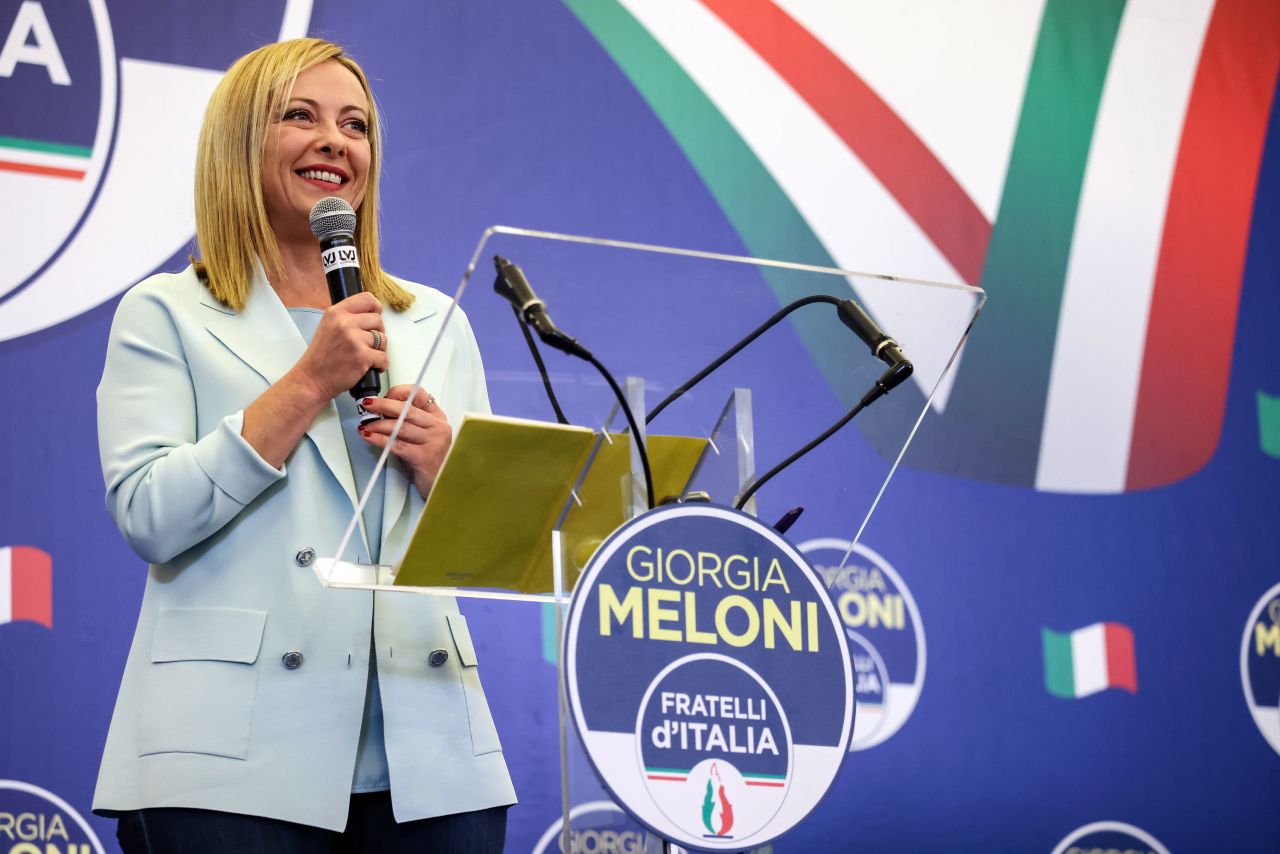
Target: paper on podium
[[501, 491], [603, 492]]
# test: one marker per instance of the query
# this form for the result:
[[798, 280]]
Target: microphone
[[882, 346], [333, 222], [512, 286]]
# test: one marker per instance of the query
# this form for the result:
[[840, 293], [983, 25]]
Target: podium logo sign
[[1260, 665], [709, 677], [33, 819], [886, 634]]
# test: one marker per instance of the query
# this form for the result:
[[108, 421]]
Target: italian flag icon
[[1089, 660], [26, 585]]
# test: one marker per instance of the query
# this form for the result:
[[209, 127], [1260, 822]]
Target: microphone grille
[[331, 216]]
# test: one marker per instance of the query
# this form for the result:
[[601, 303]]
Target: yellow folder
[[501, 492]]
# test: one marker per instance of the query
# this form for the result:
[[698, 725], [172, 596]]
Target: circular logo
[[885, 634], [738, 768], [1110, 837], [1260, 665], [598, 827], [709, 677], [37, 820], [103, 198], [58, 75]]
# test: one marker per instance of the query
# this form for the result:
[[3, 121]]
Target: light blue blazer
[[244, 688]]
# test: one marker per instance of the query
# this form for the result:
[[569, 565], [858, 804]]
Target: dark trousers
[[370, 828]]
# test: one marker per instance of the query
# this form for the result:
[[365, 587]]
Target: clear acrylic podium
[[655, 316]]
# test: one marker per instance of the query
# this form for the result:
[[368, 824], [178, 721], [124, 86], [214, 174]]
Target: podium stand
[[656, 315]]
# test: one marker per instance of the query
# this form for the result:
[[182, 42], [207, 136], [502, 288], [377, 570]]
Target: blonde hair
[[232, 230]]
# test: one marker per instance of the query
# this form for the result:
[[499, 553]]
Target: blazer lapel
[[265, 338], [409, 338]]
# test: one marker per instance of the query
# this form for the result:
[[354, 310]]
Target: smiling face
[[317, 146]]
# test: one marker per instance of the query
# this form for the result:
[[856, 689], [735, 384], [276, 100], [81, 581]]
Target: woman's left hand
[[424, 439]]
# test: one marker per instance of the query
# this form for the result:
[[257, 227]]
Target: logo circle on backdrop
[[1260, 665], [597, 827], [708, 677], [1110, 836], [886, 634], [55, 138], [43, 820]]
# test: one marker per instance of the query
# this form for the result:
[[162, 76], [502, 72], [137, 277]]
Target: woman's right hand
[[342, 351]]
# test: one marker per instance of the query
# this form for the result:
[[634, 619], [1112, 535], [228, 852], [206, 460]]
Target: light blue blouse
[[371, 774]]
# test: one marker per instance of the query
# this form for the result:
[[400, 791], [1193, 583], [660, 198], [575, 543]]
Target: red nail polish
[[366, 401]]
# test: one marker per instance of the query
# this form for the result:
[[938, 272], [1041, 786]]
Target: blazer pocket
[[484, 735], [200, 683]]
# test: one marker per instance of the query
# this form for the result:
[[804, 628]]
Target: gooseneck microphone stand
[[512, 286], [851, 315]]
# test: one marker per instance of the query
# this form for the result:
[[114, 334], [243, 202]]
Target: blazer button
[[292, 660], [305, 556], [437, 658]]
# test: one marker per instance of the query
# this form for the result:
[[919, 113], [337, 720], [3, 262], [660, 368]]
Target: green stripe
[[993, 423], [50, 147], [765, 776], [1269, 424], [996, 416], [649, 770], [1059, 673], [768, 223]]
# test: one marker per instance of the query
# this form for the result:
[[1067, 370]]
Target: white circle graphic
[[1266, 717], [1111, 827], [28, 788], [875, 726]]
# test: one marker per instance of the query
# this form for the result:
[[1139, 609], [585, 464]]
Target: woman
[[260, 710]]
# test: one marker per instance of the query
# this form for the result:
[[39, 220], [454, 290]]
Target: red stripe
[[763, 783], [869, 127], [1122, 668], [32, 579], [51, 171], [659, 777], [1187, 361]]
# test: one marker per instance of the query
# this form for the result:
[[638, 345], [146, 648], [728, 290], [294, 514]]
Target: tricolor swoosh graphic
[[838, 136]]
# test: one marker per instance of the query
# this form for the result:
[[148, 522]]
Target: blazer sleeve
[[475, 368], [167, 488]]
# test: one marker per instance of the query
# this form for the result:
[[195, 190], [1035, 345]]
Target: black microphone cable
[[736, 348], [512, 286], [542, 367], [851, 315]]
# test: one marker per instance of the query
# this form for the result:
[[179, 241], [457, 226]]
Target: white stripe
[[43, 158], [1089, 659], [6, 584], [1102, 329], [954, 72], [859, 223]]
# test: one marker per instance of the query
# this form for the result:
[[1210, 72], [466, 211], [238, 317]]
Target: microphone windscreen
[[332, 216]]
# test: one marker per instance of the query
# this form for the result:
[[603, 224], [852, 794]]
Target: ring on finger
[[431, 401], [377, 339]]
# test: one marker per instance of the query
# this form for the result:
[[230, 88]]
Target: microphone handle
[[342, 273]]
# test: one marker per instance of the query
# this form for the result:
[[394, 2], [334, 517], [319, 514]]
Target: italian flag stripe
[[999, 421], [48, 147], [1089, 660], [1186, 364], [26, 585], [36, 157]]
